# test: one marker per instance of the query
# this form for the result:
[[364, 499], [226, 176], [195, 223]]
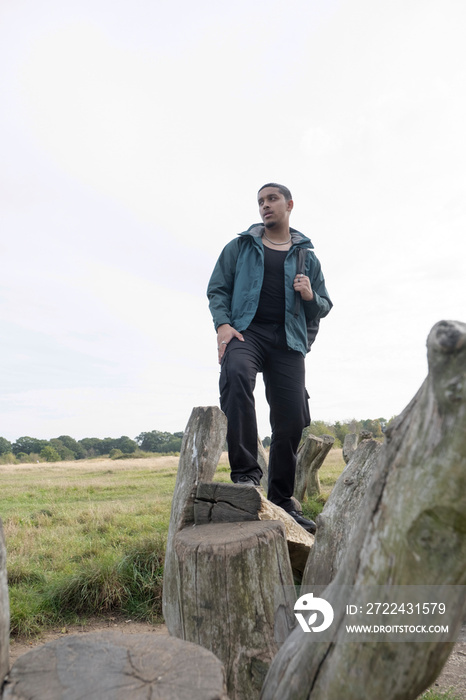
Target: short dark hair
[[281, 188]]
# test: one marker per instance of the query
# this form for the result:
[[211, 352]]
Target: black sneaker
[[308, 525], [248, 480]]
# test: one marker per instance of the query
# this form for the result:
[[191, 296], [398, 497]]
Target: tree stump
[[4, 611], [311, 456], [202, 445], [221, 503], [350, 444], [340, 516], [412, 531], [115, 666], [236, 596]]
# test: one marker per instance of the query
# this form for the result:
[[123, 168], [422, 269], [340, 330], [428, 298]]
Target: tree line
[[339, 429], [29, 449], [64, 447]]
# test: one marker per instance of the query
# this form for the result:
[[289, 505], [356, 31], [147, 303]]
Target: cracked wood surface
[[219, 503], [115, 666]]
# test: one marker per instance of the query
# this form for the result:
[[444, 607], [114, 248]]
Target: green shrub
[[49, 454], [115, 453]]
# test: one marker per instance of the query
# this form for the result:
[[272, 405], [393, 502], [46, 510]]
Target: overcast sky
[[133, 139]]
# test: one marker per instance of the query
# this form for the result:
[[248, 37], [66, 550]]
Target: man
[[266, 298]]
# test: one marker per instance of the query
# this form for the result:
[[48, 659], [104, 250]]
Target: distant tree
[[107, 444], [49, 454], [318, 428], [341, 430], [64, 452], [95, 447], [157, 441], [373, 426], [28, 444], [5, 446], [125, 444], [72, 444]]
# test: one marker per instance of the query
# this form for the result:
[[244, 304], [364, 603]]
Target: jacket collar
[[297, 238]]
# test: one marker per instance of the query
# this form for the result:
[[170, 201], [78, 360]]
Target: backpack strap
[[300, 270], [312, 325]]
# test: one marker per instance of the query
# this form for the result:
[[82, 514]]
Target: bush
[[49, 454], [115, 453]]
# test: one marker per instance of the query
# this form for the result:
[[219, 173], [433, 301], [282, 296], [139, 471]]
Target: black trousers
[[264, 350]]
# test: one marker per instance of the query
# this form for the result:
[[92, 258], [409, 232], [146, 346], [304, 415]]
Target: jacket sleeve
[[221, 284], [321, 304]]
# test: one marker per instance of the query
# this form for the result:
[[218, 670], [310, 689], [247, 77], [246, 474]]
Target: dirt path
[[19, 647], [453, 675]]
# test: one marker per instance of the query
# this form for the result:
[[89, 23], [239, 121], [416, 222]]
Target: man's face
[[273, 207]]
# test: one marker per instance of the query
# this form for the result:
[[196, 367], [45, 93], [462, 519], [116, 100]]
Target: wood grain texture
[[115, 666], [236, 596], [311, 456], [412, 532], [202, 445], [340, 516]]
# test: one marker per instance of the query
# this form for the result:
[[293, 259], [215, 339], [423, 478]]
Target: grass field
[[88, 537]]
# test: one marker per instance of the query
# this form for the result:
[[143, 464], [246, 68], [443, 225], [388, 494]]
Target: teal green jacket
[[235, 286]]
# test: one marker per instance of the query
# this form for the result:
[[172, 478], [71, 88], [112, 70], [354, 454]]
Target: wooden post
[[412, 531], [311, 456], [4, 611], [349, 446], [340, 516], [202, 445]]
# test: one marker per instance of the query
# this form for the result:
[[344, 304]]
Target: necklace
[[273, 242]]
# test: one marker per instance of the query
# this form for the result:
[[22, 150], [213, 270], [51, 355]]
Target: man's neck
[[272, 238], [278, 234]]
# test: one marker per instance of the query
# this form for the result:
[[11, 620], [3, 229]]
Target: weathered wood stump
[[245, 633], [350, 444], [412, 531], [236, 596], [220, 503], [115, 666], [202, 445], [311, 456], [340, 516], [4, 611]]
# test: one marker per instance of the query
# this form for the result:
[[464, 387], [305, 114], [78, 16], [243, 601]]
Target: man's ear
[[290, 204]]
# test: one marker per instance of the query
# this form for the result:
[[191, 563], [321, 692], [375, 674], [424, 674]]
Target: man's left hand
[[302, 284]]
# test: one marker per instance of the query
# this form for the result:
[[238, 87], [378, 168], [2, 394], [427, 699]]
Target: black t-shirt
[[271, 307]]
